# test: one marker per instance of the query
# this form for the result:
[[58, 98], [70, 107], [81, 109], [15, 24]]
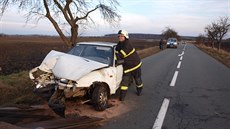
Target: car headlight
[[39, 85], [65, 81]]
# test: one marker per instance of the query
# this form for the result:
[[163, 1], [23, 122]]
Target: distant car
[[89, 70], [171, 43]]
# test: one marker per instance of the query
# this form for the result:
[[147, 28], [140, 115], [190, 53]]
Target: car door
[[119, 71], [119, 74]]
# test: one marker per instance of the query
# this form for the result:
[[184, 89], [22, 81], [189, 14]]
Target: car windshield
[[171, 40], [102, 54]]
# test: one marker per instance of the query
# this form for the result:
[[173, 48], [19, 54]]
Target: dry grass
[[221, 55], [17, 89], [148, 51]]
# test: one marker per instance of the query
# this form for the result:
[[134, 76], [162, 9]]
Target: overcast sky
[[187, 17]]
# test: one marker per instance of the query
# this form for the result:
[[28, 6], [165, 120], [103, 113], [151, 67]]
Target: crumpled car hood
[[68, 66]]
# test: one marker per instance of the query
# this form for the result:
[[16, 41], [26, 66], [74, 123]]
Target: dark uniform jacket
[[125, 51]]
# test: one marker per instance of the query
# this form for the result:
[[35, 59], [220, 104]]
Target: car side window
[[105, 53]]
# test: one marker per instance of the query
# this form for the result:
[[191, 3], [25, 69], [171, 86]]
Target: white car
[[172, 43], [89, 70]]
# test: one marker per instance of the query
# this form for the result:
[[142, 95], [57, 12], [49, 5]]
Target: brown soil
[[116, 108], [4, 125]]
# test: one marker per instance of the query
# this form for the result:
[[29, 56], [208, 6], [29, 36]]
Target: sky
[[187, 17]]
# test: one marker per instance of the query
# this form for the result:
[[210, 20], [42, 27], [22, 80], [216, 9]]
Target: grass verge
[[17, 89], [221, 55]]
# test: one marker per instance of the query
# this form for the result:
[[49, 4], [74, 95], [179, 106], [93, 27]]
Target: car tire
[[100, 97]]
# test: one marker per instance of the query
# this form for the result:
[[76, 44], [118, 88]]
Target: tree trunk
[[63, 37], [219, 46], [213, 45], [74, 34]]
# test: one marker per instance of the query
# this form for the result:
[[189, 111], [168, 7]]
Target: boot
[[122, 95], [139, 89]]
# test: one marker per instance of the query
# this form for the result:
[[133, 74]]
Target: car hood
[[68, 66]]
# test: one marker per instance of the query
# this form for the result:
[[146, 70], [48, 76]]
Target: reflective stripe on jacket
[[132, 69], [126, 51]]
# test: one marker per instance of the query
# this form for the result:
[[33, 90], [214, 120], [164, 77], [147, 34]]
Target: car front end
[[87, 71], [172, 43]]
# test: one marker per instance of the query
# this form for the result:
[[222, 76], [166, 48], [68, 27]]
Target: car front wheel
[[100, 98]]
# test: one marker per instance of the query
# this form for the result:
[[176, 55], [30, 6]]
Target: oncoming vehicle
[[88, 72], [172, 43]]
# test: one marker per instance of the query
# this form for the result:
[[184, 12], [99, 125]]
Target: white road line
[[173, 82], [161, 115], [181, 57], [181, 54], [184, 46], [179, 64]]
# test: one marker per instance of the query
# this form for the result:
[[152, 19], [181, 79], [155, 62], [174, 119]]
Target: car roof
[[110, 44]]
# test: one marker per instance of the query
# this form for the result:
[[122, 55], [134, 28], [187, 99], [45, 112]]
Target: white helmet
[[125, 33]]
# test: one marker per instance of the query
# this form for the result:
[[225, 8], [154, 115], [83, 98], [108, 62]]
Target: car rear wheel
[[100, 98]]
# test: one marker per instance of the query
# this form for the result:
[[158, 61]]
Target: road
[[192, 94]]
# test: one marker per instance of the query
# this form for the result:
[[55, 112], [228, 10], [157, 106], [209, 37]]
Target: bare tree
[[169, 33], [211, 33], [67, 13], [217, 30]]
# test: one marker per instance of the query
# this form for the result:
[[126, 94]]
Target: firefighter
[[131, 66], [161, 44]]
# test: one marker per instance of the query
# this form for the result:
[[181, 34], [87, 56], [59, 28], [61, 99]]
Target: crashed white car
[[88, 70]]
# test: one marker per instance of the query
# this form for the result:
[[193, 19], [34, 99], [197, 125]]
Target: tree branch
[[68, 9], [63, 37], [64, 12], [87, 14]]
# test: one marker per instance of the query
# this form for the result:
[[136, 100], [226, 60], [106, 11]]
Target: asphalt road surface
[[184, 88]]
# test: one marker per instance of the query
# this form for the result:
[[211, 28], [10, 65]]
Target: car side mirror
[[119, 62]]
